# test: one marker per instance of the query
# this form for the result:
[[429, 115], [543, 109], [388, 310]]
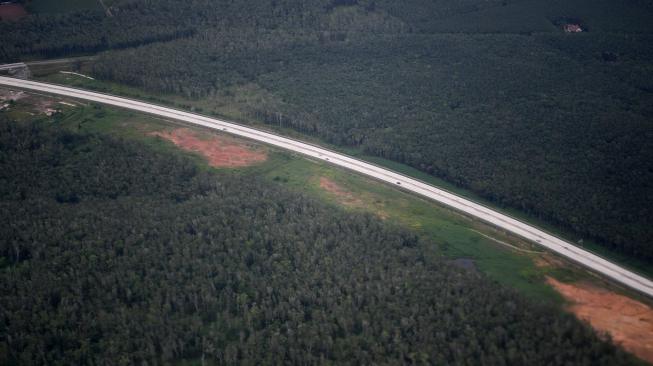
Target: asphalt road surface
[[507, 223]]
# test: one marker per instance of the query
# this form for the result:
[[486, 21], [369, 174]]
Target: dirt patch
[[350, 199], [629, 322], [11, 95], [220, 151], [343, 196], [12, 12], [10, 99], [42, 105]]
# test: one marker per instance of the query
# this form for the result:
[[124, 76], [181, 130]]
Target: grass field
[[61, 6]]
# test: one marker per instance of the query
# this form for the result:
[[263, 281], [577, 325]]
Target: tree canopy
[[491, 95], [113, 253]]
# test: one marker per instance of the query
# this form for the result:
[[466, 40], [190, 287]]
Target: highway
[[566, 249]]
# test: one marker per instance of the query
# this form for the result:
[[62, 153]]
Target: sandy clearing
[[629, 322], [220, 151]]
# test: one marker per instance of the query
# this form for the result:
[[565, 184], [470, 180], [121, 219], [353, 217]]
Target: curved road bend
[[524, 230]]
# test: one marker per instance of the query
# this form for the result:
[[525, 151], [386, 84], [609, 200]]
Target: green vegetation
[[458, 236], [491, 96], [453, 233], [636, 264], [231, 103], [116, 252], [132, 252]]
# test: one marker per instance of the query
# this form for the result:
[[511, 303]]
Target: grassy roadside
[[587, 244], [232, 102]]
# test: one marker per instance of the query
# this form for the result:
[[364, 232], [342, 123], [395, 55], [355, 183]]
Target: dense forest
[[113, 253], [491, 95]]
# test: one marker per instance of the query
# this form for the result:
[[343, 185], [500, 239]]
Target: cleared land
[[341, 194], [220, 151], [627, 321], [12, 12]]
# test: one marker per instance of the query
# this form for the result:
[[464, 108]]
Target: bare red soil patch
[[344, 196], [350, 199], [629, 322], [12, 12], [220, 151]]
